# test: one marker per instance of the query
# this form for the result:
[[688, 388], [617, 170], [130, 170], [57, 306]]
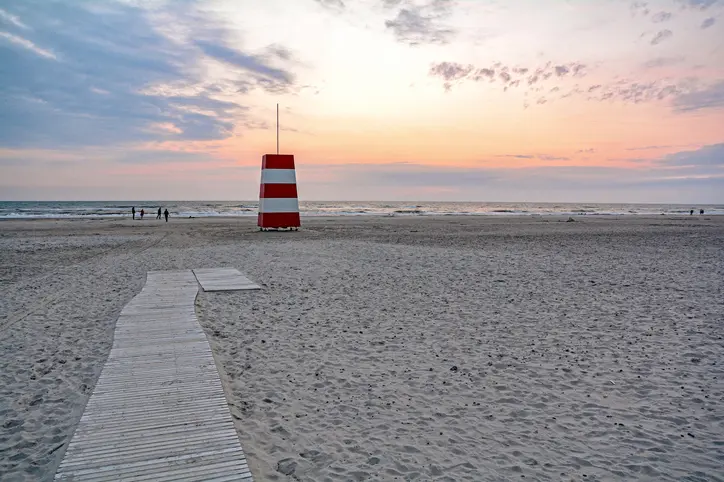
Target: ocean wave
[[108, 209]]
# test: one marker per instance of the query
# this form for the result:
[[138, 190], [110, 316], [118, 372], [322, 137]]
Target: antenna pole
[[277, 128]]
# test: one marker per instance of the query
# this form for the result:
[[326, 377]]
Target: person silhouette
[[158, 216], [141, 213], [701, 212], [133, 212], [165, 214], [691, 213]]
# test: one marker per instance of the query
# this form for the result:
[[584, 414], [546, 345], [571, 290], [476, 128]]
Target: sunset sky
[[475, 100]]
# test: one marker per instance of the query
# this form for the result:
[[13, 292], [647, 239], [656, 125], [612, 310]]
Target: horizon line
[[152, 201]]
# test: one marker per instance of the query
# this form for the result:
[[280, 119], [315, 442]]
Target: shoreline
[[363, 217], [312, 209]]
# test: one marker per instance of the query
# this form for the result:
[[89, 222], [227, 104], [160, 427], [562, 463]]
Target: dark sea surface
[[110, 209]]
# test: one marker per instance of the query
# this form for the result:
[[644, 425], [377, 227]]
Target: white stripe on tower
[[278, 205], [278, 176]]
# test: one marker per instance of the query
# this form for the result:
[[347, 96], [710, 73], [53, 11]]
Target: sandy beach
[[445, 348]]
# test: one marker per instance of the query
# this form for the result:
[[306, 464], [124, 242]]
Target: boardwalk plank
[[224, 279]]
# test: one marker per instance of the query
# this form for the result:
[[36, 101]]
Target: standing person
[[165, 214], [158, 216], [142, 213], [133, 212], [691, 213], [701, 212]]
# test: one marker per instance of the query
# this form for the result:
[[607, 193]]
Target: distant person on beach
[[165, 214], [158, 216], [701, 212], [141, 213], [133, 212], [691, 213]]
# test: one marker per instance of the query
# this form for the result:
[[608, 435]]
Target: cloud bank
[[84, 74]]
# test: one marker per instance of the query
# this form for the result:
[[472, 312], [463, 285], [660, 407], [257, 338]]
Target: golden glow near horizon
[[519, 87]]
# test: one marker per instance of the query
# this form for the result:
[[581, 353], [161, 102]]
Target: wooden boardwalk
[[158, 412], [224, 279]]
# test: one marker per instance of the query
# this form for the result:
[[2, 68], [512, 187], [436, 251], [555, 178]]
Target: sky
[[444, 100]]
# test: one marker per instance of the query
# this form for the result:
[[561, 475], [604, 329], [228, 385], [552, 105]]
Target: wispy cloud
[[663, 62], [505, 75], [337, 4], [661, 17], [711, 155], [662, 36], [707, 97], [543, 157], [421, 24], [280, 52], [649, 148], [6, 17], [708, 22], [553, 158], [518, 156], [689, 94], [639, 8], [636, 92], [700, 4], [16, 40], [250, 63]]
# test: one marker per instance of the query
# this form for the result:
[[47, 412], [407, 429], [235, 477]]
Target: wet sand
[[416, 348]]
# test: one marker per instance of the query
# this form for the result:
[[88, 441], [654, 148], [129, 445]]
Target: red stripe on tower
[[278, 190], [277, 161], [278, 202]]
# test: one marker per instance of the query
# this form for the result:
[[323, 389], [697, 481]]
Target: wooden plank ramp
[[158, 412], [224, 279]]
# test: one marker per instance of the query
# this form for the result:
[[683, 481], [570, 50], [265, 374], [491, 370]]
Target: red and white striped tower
[[278, 201]]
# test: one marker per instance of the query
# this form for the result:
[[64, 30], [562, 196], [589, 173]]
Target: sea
[[117, 209]]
